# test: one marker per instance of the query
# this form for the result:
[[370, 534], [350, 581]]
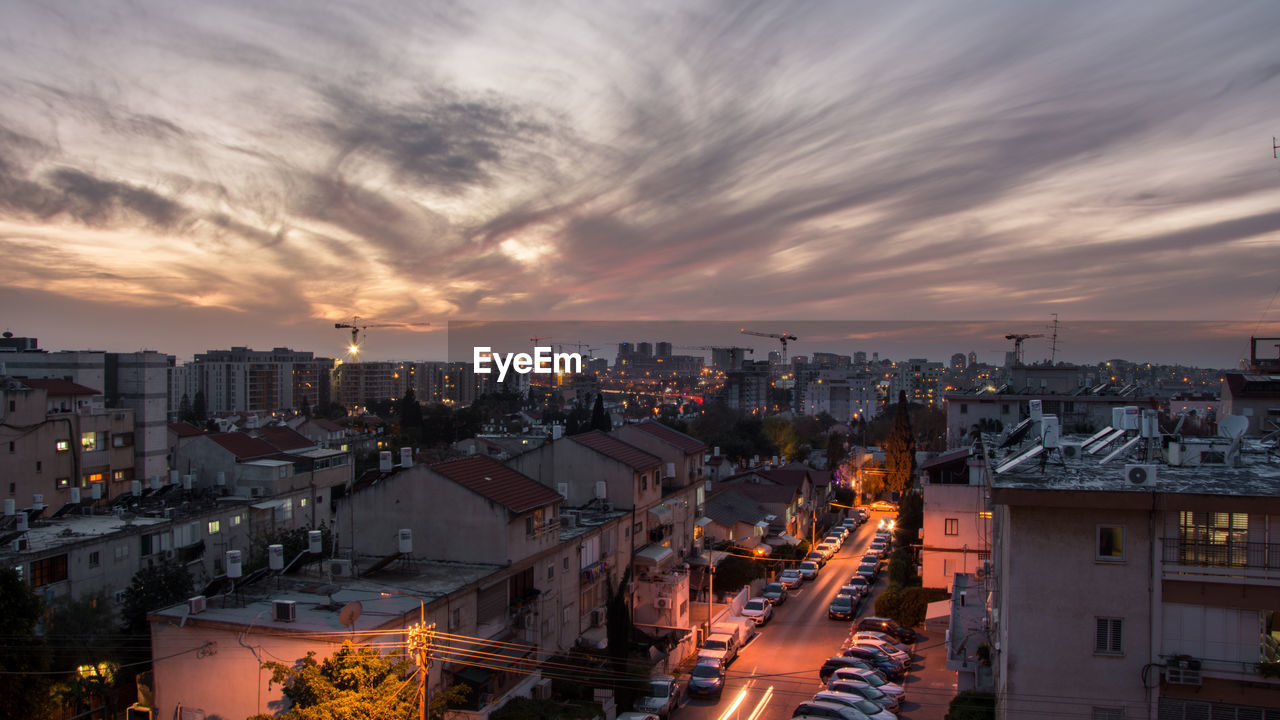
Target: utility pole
[[420, 637]]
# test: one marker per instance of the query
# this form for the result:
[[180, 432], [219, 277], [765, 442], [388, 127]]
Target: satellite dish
[[1233, 426], [350, 613]]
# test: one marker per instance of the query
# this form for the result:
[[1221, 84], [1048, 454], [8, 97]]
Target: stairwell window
[[1108, 636], [1110, 543]]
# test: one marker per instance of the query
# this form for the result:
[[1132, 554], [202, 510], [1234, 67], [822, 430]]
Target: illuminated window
[[118, 475], [95, 477], [235, 520], [215, 527], [1110, 543], [63, 483], [89, 441], [63, 445]]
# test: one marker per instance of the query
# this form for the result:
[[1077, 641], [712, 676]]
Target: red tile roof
[[184, 429], [690, 445], [243, 446], [784, 476], [327, 425], [762, 492], [497, 482], [612, 447], [57, 387], [285, 439]]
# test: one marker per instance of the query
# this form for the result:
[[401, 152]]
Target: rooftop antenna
[[1053, 343]]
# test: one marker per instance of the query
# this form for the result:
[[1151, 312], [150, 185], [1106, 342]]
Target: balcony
[[1208, 562]]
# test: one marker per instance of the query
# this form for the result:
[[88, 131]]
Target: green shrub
[[907, 606], [972, 705]]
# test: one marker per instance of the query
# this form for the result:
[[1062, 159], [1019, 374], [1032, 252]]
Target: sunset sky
[[184, 176]]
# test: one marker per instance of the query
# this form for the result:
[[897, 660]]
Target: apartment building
[[1144, 568], [258, 381], [956, 536], [58, 440]]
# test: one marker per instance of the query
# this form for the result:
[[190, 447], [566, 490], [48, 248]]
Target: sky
[[186, 176]]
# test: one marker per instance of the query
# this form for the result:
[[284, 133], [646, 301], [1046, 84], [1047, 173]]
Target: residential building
[[956, 536], [994, 409], [1153, 581], [258, 381], [59, 442]]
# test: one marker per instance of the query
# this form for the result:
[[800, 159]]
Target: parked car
[[637, 716], [831, 664], [851, 523], [861, 583], [834, 711], [888, 627], [827, 550], [869, 570], [706, 679], [865, 691], [878, 547], [863, 514], [836, 540], [877, 635], [775, 593], [883, 506], [808, 570], [874, 678], [791, 578], [817, 557], [888, 648], [661, 696], [854, 591], [857, 702], [759, 610], [721, 647], [842, 607], [891, 668]]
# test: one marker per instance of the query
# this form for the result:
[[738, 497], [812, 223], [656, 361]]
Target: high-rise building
[[662, 349], [258, 381]]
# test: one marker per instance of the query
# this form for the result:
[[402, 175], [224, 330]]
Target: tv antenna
[[1053, 342]]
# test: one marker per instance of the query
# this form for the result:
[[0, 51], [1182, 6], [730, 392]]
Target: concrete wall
[[944, 555], [1053, 590]]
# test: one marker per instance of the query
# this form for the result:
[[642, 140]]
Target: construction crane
[[784, 337], [355, 326], [1017, 344], [536, 339]]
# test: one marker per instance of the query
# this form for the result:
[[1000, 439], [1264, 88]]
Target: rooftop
[[612, 447], [690, 445], [56, 387], [497, 482]]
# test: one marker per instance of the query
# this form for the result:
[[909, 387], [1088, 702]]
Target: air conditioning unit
[[542, 690], [983, 570], [340, 568], [284, 610], [1072, 450], [196, 605], [669, 470], [1183, 672], [170, 554], [1140, 474], [662, 603], [597, 618]]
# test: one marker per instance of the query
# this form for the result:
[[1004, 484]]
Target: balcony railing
[[1207, 560]]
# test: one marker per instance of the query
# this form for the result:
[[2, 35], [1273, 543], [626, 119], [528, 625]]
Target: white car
[[791, 578], [874, 678], [887, 648], [857, 702], [721, 647], [759, 610]]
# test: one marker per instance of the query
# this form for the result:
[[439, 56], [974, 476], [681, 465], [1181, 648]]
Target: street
[[778, 669]]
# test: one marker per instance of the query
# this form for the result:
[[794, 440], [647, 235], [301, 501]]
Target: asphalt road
[[778, 669]]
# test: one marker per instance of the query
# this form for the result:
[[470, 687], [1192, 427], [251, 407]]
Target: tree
[[153, 588], [410, 413], [185, 414], [354, 683], [618, 622], [835, 450], [972, 705], [25, 696], [599, 418], [900, 449], [199, 408]]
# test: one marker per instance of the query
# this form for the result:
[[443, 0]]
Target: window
[[551, 570], [951, 526], [215, 527], [1004, 408], [302, 502], [118, 476], [11, 446], [1109, 636], [236, 520], [286, 510], [964, 408], [455, 618], [39, 466], [94, 559], [95, 477], [1108, 713], [63, 483], [1213, 538], [1111, 543], [48, 570], [566, 562], [89, 441]]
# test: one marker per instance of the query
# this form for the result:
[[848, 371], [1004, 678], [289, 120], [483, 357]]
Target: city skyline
[[236, 175]]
